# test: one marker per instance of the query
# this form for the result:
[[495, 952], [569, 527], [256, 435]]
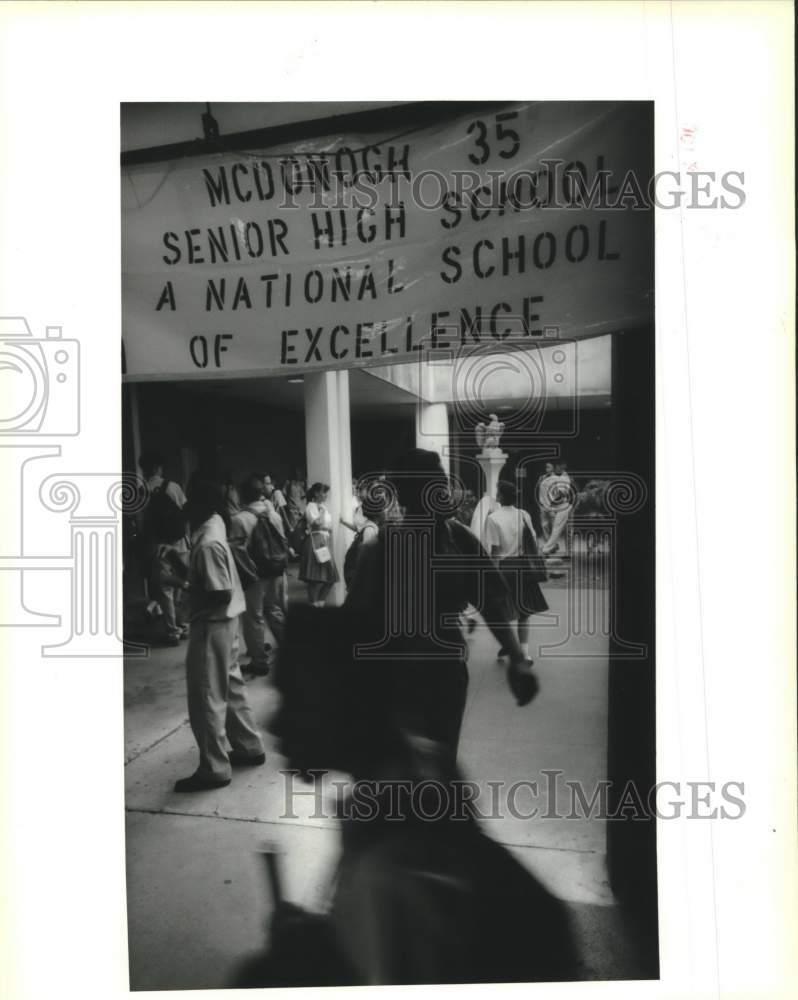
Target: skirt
[[310, 569], [524, 594]]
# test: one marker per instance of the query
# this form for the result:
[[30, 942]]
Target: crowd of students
[[376, 687]]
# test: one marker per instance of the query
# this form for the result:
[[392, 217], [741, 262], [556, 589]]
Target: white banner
[[348, 251]]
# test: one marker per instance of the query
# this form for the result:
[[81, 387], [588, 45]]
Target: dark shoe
[[199, 783], [238, 758], [172, 640], [502, 653]]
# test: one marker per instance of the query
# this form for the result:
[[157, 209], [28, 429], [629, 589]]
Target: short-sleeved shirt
[[211, 568], [315, 512], [173, 490], [504, 528]]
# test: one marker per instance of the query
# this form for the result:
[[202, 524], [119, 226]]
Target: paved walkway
[[197, 899]]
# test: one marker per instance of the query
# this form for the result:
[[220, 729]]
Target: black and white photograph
[[397, 562], [389, 573]]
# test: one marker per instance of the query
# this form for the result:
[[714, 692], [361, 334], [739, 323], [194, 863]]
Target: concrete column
[[432, 430], [328, 450]]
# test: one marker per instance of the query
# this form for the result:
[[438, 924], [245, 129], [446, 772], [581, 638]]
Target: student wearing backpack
[[218, 711], [165, 540], [261, 552]]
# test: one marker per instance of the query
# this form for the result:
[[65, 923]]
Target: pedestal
[[492, 461]]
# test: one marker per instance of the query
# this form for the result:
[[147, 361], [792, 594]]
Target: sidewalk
[[197, 899]]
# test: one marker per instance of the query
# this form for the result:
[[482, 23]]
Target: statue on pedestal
[[489, 435]]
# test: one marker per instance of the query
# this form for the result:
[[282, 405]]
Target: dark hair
[[507, 493], [149, 461], [205, 498], [316, 490], [252, 489], [421, 484]]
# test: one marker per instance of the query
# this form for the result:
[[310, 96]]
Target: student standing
[[317, 566], [219, 713]]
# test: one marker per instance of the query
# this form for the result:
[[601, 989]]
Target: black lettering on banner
[[170, 242], [255, 250], [286, 349], [269, 278], [384, 349], [338, 355], [214, 294], [217, 244], [393, 285], [397, 218], [470, 326], [574, 182], [321, 231], [519, 255], [402, 161], [342, 284], [499, 307], [194, 248], [317, 277], [477, 262], [584, 246], [476, 203], [603, 252], [507, 133], [218, 191], [239, 168], [198, 349], [313, 354], [262, 168], [451, 205], [480, 130], [479, 140], [167, 297], [450, 256], [277, 233], [367, 285], [241, 295], [220, 347], [544, 258], [530, 317], [409, 345], [362, 341], [365, 235], [438, 330]]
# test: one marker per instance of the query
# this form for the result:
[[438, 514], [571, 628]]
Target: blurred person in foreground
[[420, 894], [411, 585], [218, 711]]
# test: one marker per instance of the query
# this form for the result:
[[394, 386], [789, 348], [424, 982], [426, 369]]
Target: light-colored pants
[[546, 522], [218, 709], [265, 605], [558, 527]]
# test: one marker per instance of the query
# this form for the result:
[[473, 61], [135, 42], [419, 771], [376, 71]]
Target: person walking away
[[509, 537], [421, 894], [560, 493], [218, 711], [253, 619], [275, 593], [165, 541], [407, 608], [545, 511], [316, 564]]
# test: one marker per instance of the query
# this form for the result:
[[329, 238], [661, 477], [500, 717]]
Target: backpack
[[164, 521], [267, 548]]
